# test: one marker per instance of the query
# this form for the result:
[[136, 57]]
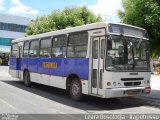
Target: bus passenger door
[[98, 51]]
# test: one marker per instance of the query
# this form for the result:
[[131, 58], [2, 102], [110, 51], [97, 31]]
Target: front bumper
[[123, 92]]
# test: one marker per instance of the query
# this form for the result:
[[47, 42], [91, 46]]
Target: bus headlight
[[114, 83], [108, 83], [119, 84]]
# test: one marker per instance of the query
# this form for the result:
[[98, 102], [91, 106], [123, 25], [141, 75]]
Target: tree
[[145, 14], [69, 17]]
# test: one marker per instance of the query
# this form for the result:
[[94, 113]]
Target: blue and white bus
[[106, 60]]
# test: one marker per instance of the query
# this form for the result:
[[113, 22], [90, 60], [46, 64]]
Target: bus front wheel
[[26, 77], [76, 89]]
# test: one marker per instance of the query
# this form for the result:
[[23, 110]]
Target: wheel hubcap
[[75, 89]]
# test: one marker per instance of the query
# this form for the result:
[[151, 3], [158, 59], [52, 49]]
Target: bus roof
[[63, 31], [70, 30]]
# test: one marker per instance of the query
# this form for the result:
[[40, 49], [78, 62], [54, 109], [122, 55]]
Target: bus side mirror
[[109, 42]]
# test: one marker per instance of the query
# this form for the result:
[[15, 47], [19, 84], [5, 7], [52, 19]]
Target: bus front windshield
[[127, 54]]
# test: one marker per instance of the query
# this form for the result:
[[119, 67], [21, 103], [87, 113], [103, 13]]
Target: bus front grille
[[132, 83], [131, 79]]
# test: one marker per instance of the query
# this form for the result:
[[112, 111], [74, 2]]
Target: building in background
[[11, 27]]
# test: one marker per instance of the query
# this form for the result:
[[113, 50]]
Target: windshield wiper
[[126, 54], [139, 43], [124, 38]]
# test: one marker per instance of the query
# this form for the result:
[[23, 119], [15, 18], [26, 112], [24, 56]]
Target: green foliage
[[145, 14], [69, 17]]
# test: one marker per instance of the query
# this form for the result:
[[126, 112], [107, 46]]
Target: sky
[[33, 8]]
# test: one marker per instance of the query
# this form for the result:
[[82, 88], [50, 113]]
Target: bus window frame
[[44, 38], [26, 49], [30, 47], [65, 46], [75, 33], [14, 50]]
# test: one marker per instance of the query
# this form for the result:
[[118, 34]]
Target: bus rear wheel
[[76, 89], [26, 79]]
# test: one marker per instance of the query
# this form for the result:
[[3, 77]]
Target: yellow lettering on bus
[[49, 64]]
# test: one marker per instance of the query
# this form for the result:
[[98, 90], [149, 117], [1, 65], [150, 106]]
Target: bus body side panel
[[55, 68], [58, 67], [33, 68], [14, 67], [62, 67], [50, 72], [33, 65], [41, 68], [67, 66], [19, 63], [24, 63], [14, 63], [82, 68], [78, 66], [56, 73]]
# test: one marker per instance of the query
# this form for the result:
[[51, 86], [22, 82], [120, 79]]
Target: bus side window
[[14, 50], [77, 45], [34, 48], [59, 46], [26, 49], [45, 47]]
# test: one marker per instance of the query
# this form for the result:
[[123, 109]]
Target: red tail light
[[147, 90]]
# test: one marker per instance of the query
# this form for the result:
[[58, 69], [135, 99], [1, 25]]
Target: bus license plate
[[132, 92]]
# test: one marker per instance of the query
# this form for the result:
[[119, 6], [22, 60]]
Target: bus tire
[[26, 79], [76, 89]]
